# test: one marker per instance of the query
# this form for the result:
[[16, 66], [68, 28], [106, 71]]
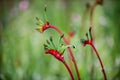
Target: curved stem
[[92, 13], [70, 51], [69, 70], [92, 26], [102, 66], [84, 17]]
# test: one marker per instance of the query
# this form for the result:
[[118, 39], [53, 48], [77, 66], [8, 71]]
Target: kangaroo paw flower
[[57, 52]]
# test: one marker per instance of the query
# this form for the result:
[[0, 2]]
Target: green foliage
[[22, 54]]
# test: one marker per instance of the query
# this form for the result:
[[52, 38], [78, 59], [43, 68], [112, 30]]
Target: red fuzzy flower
[[86, 42], [42, 27], [90, 42], [56, 51], [56, 54]]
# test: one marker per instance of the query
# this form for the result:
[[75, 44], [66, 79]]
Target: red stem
[[69, 70], [92, 26], [70, 51], [104, 73]]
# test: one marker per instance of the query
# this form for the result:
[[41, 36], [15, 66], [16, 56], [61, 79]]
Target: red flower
[[51, 48], [42, 27], [56, 54], [88, 41], [56, 50]]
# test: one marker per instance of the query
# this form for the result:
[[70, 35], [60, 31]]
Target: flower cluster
[[56, 51], [50, 48]]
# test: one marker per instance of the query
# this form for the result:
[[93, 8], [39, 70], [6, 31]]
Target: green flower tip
[[82, 41], [39, 25], [62, 36], [45, 8], [45, 46]]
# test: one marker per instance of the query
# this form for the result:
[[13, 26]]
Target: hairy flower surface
[[56, 54]]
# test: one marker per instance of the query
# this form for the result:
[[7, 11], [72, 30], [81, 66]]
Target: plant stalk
[[69, 70], [102, 66], [92, 26], [70, 51]]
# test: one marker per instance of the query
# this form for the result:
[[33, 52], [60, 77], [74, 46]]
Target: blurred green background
[[21, 46]]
